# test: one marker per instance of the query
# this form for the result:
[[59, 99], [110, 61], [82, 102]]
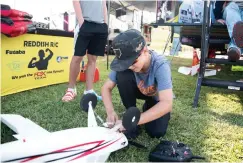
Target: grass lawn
[[214, 130]]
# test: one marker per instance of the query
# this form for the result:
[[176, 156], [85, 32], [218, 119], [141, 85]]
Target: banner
[[191, 11], [31, 61], [179, 11]]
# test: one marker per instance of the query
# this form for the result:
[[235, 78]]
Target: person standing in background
[[90, 36], [230, 13]]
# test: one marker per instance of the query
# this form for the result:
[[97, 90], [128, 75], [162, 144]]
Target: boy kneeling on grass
[[139, 74]]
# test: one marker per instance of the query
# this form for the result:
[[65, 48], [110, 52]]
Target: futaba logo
[[15, 65], [15, 52]]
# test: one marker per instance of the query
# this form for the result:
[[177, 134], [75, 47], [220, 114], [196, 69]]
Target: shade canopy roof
[[143, 4]]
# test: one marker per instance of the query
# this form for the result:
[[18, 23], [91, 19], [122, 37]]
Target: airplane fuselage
[[88, 144]]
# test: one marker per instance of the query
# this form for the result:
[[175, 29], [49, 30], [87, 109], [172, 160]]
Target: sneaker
[[69, 95], [99, 98], [238, 34], [233, 54]]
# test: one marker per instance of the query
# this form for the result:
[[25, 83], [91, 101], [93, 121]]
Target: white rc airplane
[[84, 144]]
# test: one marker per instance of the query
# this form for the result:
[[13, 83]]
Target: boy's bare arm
[[163, 107], [78, 12], [106, 95]]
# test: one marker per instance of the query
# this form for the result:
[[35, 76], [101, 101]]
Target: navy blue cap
[[127, 47]]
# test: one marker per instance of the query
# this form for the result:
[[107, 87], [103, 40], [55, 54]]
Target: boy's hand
[[121, 128], [112, 119], [81, 22]]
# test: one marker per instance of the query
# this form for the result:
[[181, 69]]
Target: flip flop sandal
[[69, 96]]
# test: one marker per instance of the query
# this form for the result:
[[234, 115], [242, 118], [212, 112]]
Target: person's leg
[[74, 70], [81, 41], [212, 16], [90, 73], [129, 93], [96, 48], [127, 87], [91, 65], [74, 64], [238, 31], [232, 15], [156, 128]]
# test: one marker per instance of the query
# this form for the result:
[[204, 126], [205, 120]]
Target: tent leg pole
[[108, 44]]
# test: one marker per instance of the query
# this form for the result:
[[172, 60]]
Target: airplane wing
[[24, 127]]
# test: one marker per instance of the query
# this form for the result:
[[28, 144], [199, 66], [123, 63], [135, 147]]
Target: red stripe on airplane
[[82, 155]]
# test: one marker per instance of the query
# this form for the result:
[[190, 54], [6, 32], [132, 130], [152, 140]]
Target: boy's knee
[[76, 59], [158, 128]]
